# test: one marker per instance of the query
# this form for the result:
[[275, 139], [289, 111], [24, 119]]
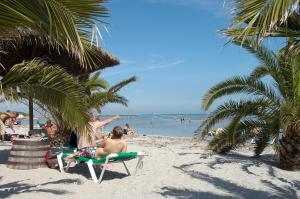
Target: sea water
[[183, 125]]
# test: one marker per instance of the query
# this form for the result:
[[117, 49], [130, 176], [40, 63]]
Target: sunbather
[[115, 144], [219, 132]]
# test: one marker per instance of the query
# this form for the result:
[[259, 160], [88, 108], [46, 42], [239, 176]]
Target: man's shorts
[[88, 152]]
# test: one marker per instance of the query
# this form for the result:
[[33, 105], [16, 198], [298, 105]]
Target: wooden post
[[30, 113]]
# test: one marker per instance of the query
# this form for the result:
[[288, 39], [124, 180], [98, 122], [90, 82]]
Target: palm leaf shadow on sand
[[245, 161], [19, 187], [189, 194], [189, 153], [237, 191], [248, 161]]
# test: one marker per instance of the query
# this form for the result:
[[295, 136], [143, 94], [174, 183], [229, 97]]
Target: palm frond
[[51, 86], [235, 134], [226, 141], [64, 22], [99, 99], [246, 108], [261, 143], [119, 86], [262, 16], [94, 83], [239, 85], [263, 54]]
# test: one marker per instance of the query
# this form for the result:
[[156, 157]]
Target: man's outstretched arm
[[106, 122]]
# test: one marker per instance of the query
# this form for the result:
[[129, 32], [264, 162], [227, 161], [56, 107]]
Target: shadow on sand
[[189, 194], [19, 187], [83, 170], [4, 154], [189, 153], [288, 191]]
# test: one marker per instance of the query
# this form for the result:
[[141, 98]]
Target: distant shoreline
[[147, 114]]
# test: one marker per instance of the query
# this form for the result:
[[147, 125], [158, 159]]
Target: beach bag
[[7, 137]]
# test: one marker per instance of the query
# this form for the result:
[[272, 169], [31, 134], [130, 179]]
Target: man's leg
[[3, 136]]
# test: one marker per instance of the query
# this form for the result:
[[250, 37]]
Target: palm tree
[[63, 27], [99, 93], [96, 94], [266, 18], [271, 106], [51, 86]]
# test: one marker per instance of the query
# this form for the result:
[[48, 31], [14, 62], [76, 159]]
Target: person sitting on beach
[[50, 128], [7, 119], [127, 130], [255, 131], [13, 118], [115, 144], [219, 132], [3, 118], [95, 124]]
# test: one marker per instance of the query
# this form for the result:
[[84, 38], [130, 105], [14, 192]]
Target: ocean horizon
[[181, 125]]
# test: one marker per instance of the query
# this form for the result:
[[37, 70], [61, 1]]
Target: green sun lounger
[[105, 160]]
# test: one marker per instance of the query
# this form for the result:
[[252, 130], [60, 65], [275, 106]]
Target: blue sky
[[174, 48]]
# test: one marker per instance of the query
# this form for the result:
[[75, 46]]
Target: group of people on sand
[[99, 144], [254, 131], [217, 133], [7, 120]]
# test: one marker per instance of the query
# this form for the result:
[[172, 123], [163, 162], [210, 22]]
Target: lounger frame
[[91, 165]]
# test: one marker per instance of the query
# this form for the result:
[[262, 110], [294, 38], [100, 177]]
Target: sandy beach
[[174, 168]]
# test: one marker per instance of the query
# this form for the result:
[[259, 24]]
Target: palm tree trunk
[[289, 152], [30, 113], [33, 54]]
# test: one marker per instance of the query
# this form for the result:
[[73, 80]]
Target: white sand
[[174, 168]]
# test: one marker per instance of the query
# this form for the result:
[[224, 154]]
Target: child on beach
[[115, 144], [128, 130]]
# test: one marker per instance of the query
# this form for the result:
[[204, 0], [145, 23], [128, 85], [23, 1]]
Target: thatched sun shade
[[15, 51]]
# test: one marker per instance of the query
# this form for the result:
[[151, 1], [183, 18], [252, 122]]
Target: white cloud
[[161, 66], [154, 62]]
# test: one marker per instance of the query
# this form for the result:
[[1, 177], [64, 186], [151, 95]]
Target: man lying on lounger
[[115, 144]]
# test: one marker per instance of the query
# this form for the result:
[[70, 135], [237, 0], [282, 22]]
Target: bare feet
[[74, 155]]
